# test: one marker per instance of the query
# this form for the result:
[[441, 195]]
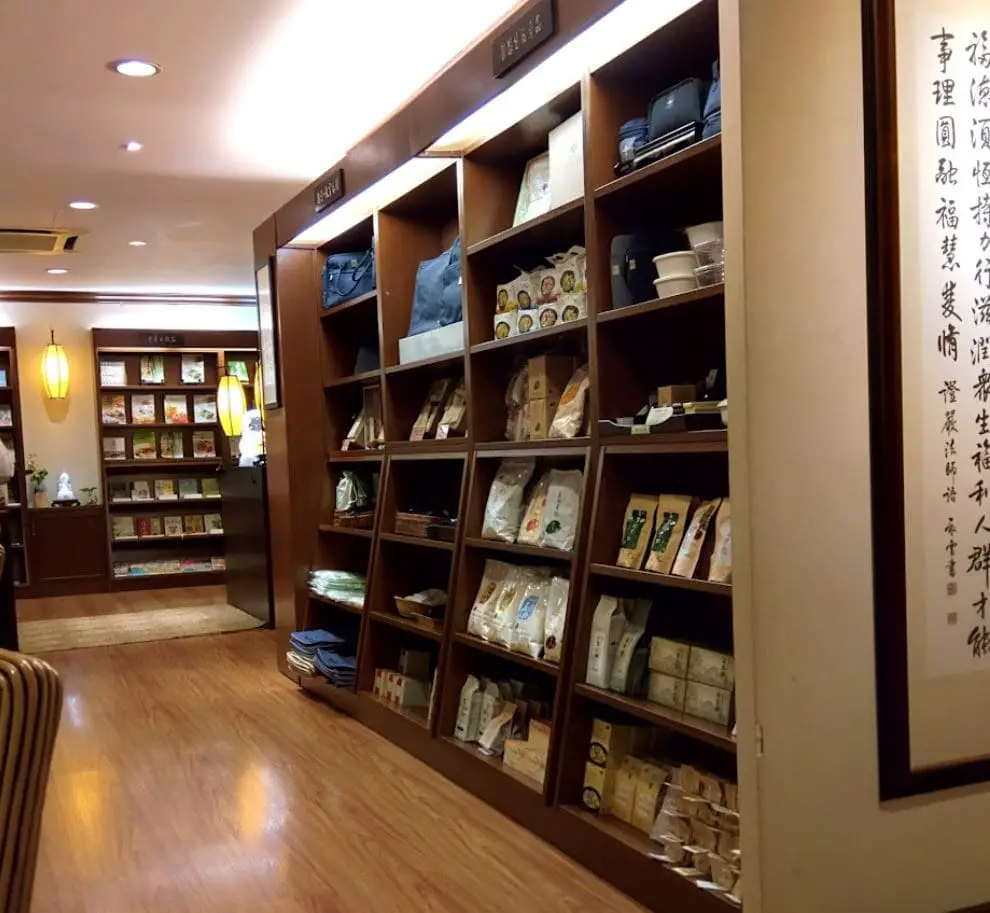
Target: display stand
[[630, 352], [188, 449], [12, 434]]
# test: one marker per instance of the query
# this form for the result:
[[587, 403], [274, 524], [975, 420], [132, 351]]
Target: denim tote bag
[[347, 276], [438, 298]]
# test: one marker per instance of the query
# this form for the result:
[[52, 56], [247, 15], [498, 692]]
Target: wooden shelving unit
[[121, 358], [629, 353], [15, 514]]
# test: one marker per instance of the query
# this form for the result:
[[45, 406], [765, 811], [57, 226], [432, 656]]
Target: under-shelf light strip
[[601, 42]]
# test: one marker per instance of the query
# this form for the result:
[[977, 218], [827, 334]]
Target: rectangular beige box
[[547, 376]]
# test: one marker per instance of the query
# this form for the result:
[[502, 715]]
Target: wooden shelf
[[493, 763], [512, 548], [347, 531], [349, 307], [152, 581], [712, 734], [552, 447], [614, 830], [161, 426], [454, 360], [535, 339], [154, 465], [415, 715], [663, 580], [417, 541], [343, 606], [405, 624], [449, 449], [535, 232], [162, 505], [161, 388], [355, 456], [674, 442], [365, 377], [703, 156], [522, 659], [166, 540], [615, 315]]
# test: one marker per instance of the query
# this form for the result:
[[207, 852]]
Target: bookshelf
[[630, 352], [12, 434], [162, 451]]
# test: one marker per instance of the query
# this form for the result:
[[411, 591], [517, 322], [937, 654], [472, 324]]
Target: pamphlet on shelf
[[193, 369], [205, 409], [176, 410], [143, 408], [113, 410], [152, 369]]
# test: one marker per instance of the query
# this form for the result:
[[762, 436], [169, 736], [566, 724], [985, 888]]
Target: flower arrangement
[[36, 474]]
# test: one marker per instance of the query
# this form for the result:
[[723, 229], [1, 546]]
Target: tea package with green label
[[636, 529], [672, 516]]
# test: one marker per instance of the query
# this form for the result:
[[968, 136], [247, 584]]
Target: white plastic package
[[560, 516], [503, 512], [556, 616], [484, 603]]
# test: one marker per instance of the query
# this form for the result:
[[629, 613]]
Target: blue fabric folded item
[[338, 668], [306, 643]]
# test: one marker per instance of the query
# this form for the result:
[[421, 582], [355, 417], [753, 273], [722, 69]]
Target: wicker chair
[[30, 707]]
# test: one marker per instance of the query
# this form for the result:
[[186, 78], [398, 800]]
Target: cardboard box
[[547, 376], [670, 657], [566, 148], [415, 664], [525, 759], [410, 692], [432, 344], [624, 789], [712, 668], [611, 743], [381, 676], [676, 393], [389, 685], [539, 415], [667, 690], [708, 703]]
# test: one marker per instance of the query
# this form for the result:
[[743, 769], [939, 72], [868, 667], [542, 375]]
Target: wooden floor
[[51, 607], [190, 777]]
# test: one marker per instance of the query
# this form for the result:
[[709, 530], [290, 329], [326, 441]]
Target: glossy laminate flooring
[[191, 777], [51, 607]]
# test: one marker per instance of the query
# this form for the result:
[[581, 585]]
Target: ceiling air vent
[[36, 240]]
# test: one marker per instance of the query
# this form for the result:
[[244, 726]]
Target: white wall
[[63, 433], [817, 838]]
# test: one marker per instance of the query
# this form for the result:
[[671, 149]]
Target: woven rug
[[132, 627]]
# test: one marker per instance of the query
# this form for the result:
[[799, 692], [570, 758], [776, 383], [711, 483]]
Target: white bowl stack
[[686, 270]]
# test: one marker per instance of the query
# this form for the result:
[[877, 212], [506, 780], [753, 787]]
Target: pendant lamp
[[55, 371], [259, 393], [231, 405]]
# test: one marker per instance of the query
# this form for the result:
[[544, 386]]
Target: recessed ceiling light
[[83, 204], [131, 66], [57, 271], [138, 243], [132, 145]]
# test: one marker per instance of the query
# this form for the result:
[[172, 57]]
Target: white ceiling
[[256, 98]]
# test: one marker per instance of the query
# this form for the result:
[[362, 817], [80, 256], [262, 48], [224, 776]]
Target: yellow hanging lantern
[[55, 371], [231, 405], [259, 393]]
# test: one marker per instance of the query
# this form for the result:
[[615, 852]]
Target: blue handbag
[[347, 276], [438, 299], [677, 107]]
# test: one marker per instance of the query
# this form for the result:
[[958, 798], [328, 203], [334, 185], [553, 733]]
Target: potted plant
[[90, 494], [36, 479]]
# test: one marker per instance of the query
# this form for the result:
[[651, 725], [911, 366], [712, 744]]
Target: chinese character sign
[[951, 94]]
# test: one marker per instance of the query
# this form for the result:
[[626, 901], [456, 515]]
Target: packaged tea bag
[[607, 626], [532, 523], [503, 511], [556, 616], [506, 325], [528, 630], [636, 529], [549, 316], [491, 705], [492, 740], [526, 321], [507, 295], [499, 626], [667, 690], [560, 518], [648, 792], [708, 703], [453, 422], [569, 417], [571, 306], [721, 566], [694, 539], [635, 629], [484, 603], [672, 515], [712, 668], [468, 711], [624, 789], [548, 285], [515, 404]]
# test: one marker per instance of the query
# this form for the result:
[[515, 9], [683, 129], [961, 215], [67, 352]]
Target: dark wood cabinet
[[68, 550], [245, 523]]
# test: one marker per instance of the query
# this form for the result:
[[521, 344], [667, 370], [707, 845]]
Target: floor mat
[[132, 627]]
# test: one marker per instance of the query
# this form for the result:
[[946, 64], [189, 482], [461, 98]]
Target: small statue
[[63, 494]]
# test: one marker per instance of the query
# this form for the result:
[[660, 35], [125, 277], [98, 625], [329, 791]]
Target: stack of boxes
[[547, 379], [529, 757], [693, 680], [409, 687]]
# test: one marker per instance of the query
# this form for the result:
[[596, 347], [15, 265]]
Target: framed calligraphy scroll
[[927, 93]]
